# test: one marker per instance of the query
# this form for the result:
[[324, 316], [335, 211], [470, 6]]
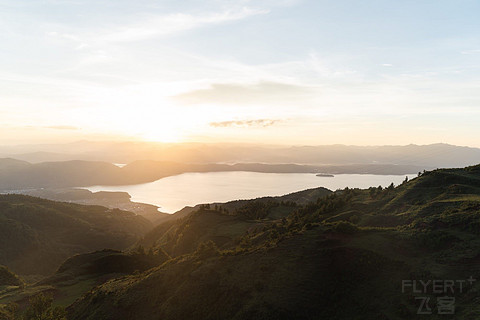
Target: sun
[[162, 133]]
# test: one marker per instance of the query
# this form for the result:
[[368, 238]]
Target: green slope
[[8, 278], [37, 235]]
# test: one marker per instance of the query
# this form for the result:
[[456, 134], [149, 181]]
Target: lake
[[188, 189]]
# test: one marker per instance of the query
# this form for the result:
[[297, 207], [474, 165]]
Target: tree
[[140, 250], [372, 192], [41, 309], [9, 312], [207, 249]]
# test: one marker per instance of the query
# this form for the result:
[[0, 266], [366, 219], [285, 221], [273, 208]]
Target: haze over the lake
[[280, 72]]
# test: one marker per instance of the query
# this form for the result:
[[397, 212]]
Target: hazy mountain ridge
[[164, 161], [428, 156]]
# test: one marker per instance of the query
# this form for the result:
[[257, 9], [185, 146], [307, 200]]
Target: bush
[[8, 278], [41, 309], [9, 312], [207, 249], [345, 227]]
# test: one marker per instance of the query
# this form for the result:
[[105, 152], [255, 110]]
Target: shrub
[[345, 227], [41, 309], [207, 249]]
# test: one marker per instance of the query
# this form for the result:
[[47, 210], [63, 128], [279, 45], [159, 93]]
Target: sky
[[298, 72]]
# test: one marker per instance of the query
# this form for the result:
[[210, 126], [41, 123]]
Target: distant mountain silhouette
[[427, 156]]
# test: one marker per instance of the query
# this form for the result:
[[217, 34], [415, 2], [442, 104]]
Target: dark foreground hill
[[37, 235], [79, 274], [354, 254]]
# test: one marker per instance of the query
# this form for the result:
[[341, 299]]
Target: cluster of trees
[[379, 192], [8, 278], [154, 256], [206, 207], [207, 249], [41, 308], [256, 210]]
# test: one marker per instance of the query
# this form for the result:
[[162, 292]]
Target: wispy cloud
[[60, 127], [474, 51], [245, 123], [262, 92], [163, 25]]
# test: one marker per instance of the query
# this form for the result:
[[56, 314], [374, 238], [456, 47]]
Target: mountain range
[[427, 156]]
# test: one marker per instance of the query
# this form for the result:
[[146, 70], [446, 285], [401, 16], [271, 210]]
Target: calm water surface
[[173, 193]]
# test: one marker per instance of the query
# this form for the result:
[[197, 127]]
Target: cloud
[[67, 36], [245, 123], [262, 92], [475, 51], [163, 25], [62, 127]]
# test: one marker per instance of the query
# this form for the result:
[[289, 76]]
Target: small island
[[325, 175]]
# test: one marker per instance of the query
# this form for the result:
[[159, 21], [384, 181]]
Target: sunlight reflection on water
[[188, 189]]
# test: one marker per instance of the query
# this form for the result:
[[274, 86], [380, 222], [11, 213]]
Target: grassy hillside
[[344, 256], [37, 235], [225, 223], [78, 275], [8, 278]]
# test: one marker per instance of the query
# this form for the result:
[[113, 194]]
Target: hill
[[353, 254], [225, 223], [37, 235], [8, 278], [21, 175], [112, 200]]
